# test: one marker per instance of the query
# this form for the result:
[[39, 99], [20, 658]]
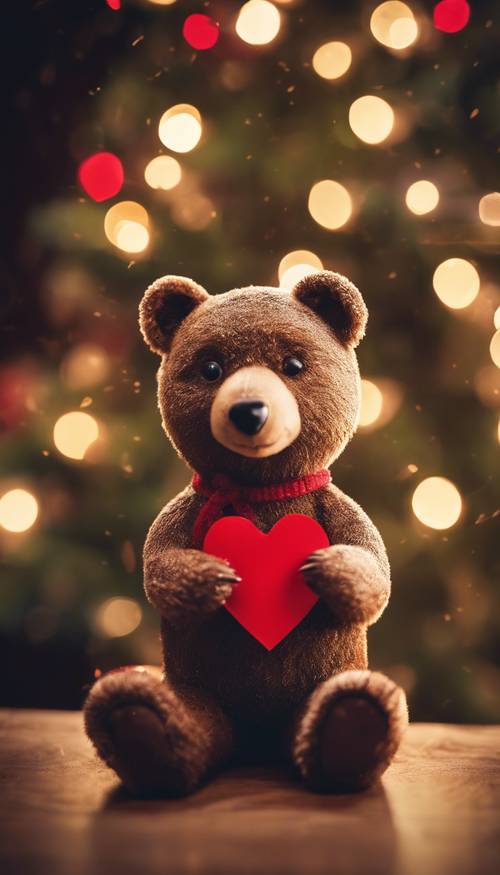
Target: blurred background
[[248, 143]]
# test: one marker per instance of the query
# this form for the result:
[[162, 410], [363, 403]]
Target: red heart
[[273, 596]]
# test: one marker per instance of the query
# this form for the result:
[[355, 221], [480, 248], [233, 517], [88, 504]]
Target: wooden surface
[[436, 812]]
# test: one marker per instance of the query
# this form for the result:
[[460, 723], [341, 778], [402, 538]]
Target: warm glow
[[74, 433], [371, 403], [330, 204], [456, 283], [332, 60], [495, 348], [394, 25], [125, 211], [496, 318], [296, 265], [436, 502], [258, 22], [117, 617], [193, 212], [489, 209], [86, 365], [163, 172], [180, 127], [131, 236], [18, 510], [422, 197], [162, 2], [371, 119]]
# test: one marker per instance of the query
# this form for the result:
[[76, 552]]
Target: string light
[[456, 283], [422, 197], [371, 119], [437, 503], [393, 24], [126, 226], [489, 209], [296, 265], [74, 433], [117, 617], [332, 60], [18, 510], [495, 348], [163, 172], [330, 204], [258, 22], [180, 127], [371, 403], [86, 365]]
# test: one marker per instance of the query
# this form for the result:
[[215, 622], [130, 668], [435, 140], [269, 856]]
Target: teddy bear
[[259, 392]]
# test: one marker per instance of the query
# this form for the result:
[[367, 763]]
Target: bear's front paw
[[194, 583], [349, 580]]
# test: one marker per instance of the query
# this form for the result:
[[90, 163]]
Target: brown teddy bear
[[259, 392]]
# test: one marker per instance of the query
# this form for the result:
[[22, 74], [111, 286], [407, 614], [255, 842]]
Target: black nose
[[249, 416]]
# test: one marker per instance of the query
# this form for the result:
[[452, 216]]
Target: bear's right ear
[[165, 304]]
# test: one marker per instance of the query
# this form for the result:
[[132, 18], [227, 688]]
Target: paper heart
[[273, 596]]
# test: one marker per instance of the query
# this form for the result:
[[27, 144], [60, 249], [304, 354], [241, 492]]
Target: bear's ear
[[337, 301], [164, 306]]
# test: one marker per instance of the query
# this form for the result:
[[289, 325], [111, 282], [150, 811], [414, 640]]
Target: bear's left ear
[[165, 304], [337, 301]]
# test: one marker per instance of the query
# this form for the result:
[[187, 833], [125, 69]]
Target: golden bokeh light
[[393, 24], [258, 22], [422, 197], [437, 503], [18, 510], [332, 60], [163, 172], [117, 617], [372, 401], [86, 365], [131, 236], [496, 318], [74, 433], [124, 211], [180, 127], [495, 348], [456, 283], [489, 209], [162, 2], [371, 119], [294, 274], [330, 204], [295, 265]]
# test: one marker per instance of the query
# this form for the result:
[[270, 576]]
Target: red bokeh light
[[200, 31], [114, 4], [101, 175], [451, 16]]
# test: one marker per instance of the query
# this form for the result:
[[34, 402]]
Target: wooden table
[[61, 812]]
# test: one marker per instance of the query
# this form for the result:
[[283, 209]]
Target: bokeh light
[[371, 403], [101, 175], [18, 510], [180, 127], [495, 348], [489, 209], [393, 24], [422, 197], [332, 60], [194, 211], [330, 204], [451, 16], [371, 119], [200, 31], [163, 172], [74, 433], [258, 22], [126, 223], [437, 503], [496, 318], [86, 365], [296, 265], [456, 283], [117, 617], [162, 2], [131, 237]]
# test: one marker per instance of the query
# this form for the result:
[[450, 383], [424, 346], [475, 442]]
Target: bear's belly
[[220, 657]]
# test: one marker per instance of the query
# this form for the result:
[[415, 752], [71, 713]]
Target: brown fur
[[221, 685]]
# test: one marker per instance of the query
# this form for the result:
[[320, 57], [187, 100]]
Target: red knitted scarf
[[222, 492]]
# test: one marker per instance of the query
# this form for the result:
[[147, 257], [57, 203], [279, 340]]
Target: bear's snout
[[254, 413]]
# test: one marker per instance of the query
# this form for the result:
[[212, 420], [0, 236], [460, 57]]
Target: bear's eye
[[211, 371], [292, 366]]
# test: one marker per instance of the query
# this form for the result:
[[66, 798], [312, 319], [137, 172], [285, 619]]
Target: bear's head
[[258, 384]]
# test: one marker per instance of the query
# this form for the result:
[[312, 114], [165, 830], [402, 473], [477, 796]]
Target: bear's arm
[[181, 582], [352, 575]]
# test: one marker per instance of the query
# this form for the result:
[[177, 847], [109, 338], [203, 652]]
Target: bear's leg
[[154, 739], [348, 731]]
